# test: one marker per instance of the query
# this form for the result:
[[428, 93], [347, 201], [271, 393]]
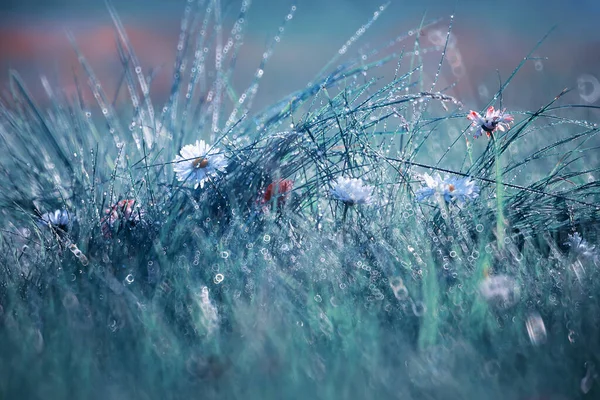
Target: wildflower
[[198, 163], [57, 219], [125, 210], [494, 119], [279, 189], [458, 190], [500, 290], [580, 246], [351, 191]]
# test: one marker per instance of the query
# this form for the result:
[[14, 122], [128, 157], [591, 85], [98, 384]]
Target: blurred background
[[486, 36]]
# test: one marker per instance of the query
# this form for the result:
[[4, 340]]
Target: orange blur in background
[[40, 47]]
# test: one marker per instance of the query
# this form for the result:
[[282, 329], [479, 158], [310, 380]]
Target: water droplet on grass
[[588, 380], [419, 309], [536, 329]]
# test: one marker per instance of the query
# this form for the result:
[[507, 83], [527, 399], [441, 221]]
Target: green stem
[[429, 330], [346, 206], [499, 196]]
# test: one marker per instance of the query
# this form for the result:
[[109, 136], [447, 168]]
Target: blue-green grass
[[214, 295]]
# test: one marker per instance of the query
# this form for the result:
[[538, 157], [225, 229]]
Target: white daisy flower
[[453, 189], [58, 219], [198, 163], [351, 191]]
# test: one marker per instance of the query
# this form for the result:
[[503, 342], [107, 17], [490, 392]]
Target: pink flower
[[494, 119], [278, 189], [127, 211]]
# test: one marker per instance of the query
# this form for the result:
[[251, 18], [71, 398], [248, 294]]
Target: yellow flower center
[[200, 162]]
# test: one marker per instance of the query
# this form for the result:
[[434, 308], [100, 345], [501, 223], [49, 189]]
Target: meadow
[[367, 236]]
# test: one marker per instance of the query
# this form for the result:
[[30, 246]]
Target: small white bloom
[[58, 218], [351, 191], [500, 290], [198, 163], [580, 246], [452, 189]]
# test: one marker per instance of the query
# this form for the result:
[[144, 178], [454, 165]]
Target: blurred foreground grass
[[218, 292]]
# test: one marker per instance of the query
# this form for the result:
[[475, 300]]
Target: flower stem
[[499, 196], [345, 213]]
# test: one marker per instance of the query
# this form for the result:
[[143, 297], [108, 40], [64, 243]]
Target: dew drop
[[536, 329]]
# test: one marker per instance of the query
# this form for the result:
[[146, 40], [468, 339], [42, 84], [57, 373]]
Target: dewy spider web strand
[[510, 185]]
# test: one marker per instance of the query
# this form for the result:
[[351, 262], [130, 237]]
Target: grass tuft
[[155, 289]]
